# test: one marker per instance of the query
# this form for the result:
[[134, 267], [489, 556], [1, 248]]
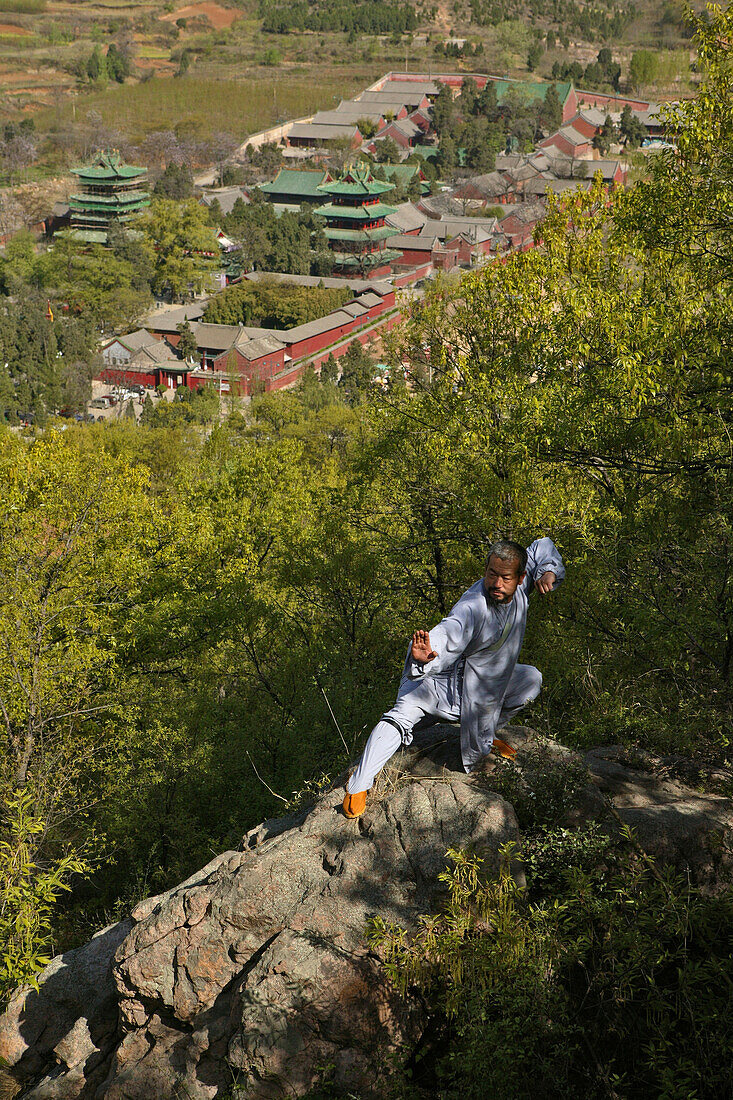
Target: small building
[[487, 189], [519, 225], [396, 86], [404, 133], [349, 113], [110, 189], [307, 135], [121, 350], [398, 104], [568, 142]]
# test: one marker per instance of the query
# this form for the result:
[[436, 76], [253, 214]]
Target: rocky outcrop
[[257, 971]]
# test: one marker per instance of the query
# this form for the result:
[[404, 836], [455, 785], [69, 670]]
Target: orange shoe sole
[[502, 749], [354, 804]]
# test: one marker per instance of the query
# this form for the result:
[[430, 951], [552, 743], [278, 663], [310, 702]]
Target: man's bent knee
[[534, 686]]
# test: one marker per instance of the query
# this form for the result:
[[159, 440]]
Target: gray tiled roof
[[423, 243], [158, 352], [423, 87], [141, 338], [225, 196], [406, 216], [168, 321], [323, 324], [216, 337], [309, 132], [263, 345]]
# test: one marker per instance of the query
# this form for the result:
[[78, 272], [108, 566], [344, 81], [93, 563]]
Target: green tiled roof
[[106, 212], [357, 180], [109, 166], [295, 181], [85, 217], [363, 235], [124, 198], [356, 213]]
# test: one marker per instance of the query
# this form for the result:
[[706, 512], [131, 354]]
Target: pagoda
[[109, 189], [355, 221]]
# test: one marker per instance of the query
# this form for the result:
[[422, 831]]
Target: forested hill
[[197, 622]]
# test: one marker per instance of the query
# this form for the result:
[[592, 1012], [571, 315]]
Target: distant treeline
[[605, 20], [365, 17]]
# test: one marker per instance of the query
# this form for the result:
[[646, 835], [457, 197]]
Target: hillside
[[204, 68], [254, 979]]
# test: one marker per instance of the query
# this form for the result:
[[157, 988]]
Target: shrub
[[544, 788], [617, 983]]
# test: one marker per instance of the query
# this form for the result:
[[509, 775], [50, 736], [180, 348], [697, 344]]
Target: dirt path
[[218, 17]]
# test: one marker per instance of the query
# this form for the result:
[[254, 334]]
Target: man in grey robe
[[465, 669]]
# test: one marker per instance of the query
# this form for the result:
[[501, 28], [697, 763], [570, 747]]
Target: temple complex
[[355, 225], [109, 189]]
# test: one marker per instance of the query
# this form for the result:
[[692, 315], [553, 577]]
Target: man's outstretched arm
[[438, 649], [545, 569]]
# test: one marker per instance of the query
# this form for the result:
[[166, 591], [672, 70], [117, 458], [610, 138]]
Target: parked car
[[99, 403], [138, 389]]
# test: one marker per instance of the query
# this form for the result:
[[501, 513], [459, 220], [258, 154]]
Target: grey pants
[[431, 698]]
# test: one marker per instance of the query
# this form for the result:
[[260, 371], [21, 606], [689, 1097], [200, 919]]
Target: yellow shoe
[[354, 804], [502, 749]]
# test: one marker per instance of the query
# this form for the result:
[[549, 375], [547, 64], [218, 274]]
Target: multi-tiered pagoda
[[355, 221], [109, 189]]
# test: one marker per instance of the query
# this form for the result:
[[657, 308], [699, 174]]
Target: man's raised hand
[[422, 651], [545, 583]]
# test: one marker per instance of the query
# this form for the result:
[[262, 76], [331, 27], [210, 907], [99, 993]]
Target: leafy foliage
[[182, 246], [365, 17], [615, 978], [29, 894], [273, 304]]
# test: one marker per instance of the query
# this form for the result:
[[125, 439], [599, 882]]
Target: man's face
[[501, 579]]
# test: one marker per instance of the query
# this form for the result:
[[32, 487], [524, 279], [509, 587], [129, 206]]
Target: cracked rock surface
[[256, 970]]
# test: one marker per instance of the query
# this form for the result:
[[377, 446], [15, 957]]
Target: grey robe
[[482, 640]]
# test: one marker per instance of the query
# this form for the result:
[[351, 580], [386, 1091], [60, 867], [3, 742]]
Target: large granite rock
[[256, 971]]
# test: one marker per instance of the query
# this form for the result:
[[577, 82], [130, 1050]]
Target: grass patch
[[24, 7], [241, 107], [154, 52]]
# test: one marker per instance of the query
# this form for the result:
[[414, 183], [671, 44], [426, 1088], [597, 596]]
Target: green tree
[[642, 69], [444, 111], [486, 104], [330, 370], [29, 893], [117, 63], [534, 56], [551, 113], [631, 128], [357, 368], [468, 98], [90, 279], [183, 247], [96, 66], [176, 182], [187, 346], [605, 136]]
